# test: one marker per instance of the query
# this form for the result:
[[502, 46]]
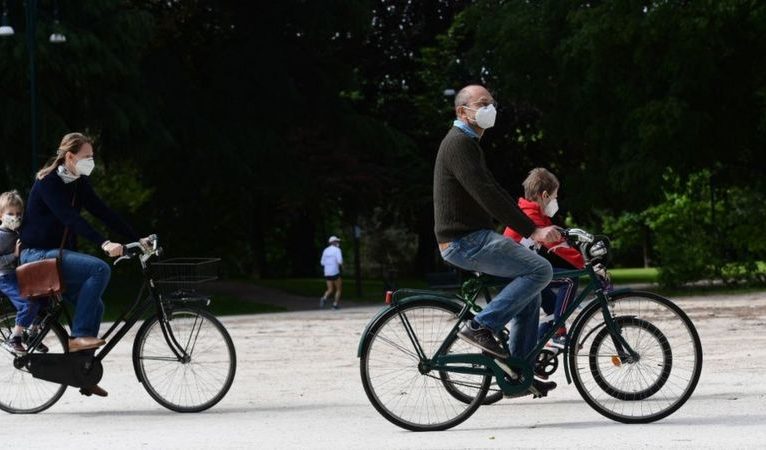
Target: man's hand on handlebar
[[112, 249], [546, 234], [147, 242]]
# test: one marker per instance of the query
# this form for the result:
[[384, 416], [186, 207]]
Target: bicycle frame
[[133, 314], [484, 365]]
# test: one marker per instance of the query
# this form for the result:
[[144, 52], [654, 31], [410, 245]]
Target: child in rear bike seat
[[540, 203], [11, 207]]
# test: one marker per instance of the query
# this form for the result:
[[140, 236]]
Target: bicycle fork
[[182, 352]]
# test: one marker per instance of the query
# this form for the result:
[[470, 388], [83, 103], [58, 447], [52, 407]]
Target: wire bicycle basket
[[178, 275]]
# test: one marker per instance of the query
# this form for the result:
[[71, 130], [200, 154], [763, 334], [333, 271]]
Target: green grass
[[372, 290], [125, 283], [633, 275]]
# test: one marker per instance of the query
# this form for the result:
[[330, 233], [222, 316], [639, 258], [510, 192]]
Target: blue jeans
[[85, 278], [26, 310], [556, 303], [519, 302]]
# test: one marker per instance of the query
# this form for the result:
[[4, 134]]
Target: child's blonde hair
[[538, 181], [10, 199]]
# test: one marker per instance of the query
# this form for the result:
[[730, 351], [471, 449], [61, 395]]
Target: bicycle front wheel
[[190, 384], [397, 381], [20, 392], [649, 386]]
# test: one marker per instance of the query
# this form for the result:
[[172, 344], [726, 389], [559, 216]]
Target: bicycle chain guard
[[72, 369]]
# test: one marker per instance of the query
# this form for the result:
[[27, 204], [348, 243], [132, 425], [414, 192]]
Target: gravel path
[[298, 386]]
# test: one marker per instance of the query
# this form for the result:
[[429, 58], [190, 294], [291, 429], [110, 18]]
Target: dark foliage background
[[254, 132]]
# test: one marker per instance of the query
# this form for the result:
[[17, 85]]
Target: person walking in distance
[[332, 260], [466, 199]]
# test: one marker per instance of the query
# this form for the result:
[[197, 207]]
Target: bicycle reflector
[[389, 297]]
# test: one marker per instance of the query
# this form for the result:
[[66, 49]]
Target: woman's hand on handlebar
[[112, 249]]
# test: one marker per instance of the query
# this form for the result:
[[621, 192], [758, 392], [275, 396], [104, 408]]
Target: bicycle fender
[[395, 304], [195, 300], [369, 326], [620, 291]]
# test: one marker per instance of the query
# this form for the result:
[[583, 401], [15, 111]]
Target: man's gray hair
[[462, 97]]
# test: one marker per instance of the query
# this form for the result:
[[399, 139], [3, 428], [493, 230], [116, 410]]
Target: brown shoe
[[85, 343], [93, 390]]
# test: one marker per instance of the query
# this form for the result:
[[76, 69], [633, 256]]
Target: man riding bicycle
[[466, 198]]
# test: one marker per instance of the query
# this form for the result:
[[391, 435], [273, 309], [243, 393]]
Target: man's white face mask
[[485, 116]]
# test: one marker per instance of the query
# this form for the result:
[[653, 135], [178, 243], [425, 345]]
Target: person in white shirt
[[332, 260]]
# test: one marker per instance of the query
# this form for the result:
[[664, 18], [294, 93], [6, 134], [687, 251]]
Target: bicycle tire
[[20, 392], [178, 385], [677, 332], [387, 345], [601, 378], [494, 394]]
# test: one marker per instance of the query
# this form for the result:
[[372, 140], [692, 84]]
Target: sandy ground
[[298, 386]]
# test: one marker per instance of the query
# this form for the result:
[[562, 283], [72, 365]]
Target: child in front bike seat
[[540, 203], [11, 208]]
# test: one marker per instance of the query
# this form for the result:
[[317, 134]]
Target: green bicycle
[[634, 356]]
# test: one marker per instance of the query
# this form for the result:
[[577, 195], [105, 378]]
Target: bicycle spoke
[[396, 381], [184, 385], [658, 381]]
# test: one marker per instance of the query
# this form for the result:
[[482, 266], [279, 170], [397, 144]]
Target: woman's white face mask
[[85, 166]]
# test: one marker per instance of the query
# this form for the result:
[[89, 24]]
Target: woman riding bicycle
[[53, 220]]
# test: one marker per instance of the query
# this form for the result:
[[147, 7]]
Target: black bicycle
[[182, 354], [635, 357]]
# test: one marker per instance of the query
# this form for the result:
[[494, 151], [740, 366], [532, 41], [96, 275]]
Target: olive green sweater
[[466, 195]]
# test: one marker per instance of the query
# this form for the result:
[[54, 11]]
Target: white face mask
[[485, 116], [11, 222], [551, 208], [85, 166]]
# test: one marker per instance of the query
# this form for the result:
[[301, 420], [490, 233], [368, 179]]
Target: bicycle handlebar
[[145, 249], [590, 246], [581, 235]]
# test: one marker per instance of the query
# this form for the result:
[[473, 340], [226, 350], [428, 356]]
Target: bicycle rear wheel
[[397, 382], [20, 392], [643, 389], [190, 385]]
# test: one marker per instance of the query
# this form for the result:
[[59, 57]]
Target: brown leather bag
[[41, 278]]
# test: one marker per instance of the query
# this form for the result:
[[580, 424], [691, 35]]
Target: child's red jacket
[[565, 252]]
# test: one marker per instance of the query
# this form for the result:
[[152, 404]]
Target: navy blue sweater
[[49, 210]]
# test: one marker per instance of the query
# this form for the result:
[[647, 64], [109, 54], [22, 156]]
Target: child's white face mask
[[551, 208], [11, 222]]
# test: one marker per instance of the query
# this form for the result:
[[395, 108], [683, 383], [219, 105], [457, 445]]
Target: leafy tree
[[704, 235]]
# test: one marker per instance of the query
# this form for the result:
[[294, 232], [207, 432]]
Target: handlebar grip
[[132, 249]]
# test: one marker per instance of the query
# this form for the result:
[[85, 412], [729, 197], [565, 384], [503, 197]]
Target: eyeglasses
[[483, 104]]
